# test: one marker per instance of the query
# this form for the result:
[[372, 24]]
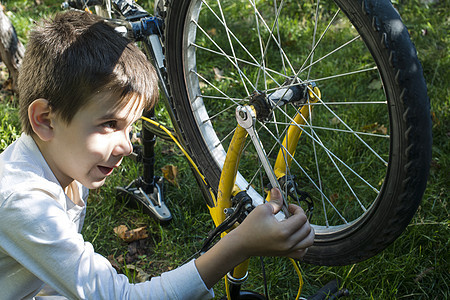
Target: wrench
[[246, 116]]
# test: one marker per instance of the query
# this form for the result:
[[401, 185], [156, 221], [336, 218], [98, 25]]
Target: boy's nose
[[123, 146]]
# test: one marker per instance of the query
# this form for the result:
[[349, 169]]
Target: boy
[[81, 87]]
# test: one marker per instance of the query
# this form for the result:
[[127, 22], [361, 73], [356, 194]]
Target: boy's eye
[[110, 124]]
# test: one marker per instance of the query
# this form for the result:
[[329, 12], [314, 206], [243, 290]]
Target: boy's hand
[[261, 234]]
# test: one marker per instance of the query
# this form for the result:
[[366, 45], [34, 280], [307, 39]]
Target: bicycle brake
[[242, 206], [288, 184]]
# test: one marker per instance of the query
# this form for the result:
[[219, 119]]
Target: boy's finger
[[276, 200], [298, 254], [303, 238], [295, 223], [295, 209]]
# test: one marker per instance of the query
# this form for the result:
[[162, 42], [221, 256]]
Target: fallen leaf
[[423, 274], [120, 259], [138, 274], [114, 262], [212, 31], [170, 173], [435, 119], [375, 128], [8, 85], [218, 74], [375, 84], [334, 121], [127, 235], [334, 197]]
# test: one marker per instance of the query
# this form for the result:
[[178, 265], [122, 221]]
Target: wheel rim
[[343, 153]]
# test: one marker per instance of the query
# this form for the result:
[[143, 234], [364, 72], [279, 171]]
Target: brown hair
[[76, 55]]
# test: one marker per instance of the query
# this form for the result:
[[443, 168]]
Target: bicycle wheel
[[363, 154]]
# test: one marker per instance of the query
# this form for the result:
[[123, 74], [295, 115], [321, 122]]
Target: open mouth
[[105, 170]]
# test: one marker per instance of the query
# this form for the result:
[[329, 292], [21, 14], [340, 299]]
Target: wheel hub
[[291, 92]]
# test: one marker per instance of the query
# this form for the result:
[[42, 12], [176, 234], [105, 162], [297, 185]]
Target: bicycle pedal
[[152, 201]]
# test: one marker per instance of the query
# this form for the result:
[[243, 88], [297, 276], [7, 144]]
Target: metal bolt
[[228, 211], [243, 115]]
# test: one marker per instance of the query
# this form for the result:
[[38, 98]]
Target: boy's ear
[[40, 116]]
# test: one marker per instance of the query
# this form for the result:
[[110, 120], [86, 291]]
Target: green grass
[[413, 267]]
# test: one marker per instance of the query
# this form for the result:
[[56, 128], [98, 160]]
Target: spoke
[[306, 174], [330, 53], [318, 42], [278, 33], [350, 129], [347, 103], [268, 29], [256, 65], [275, 24], [223, 98], [332, 154], [232, 47], [220, 112], [310, 110], [317, 164], [334, 129], [216, 88], [334, 163], [227, 136], [341, 75], [223, 52], [263, 62], [313, 46]]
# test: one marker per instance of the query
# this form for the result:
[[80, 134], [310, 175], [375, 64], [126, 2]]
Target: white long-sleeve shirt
[[40, 240]]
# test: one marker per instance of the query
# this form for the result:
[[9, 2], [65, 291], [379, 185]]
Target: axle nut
[[243, 115]]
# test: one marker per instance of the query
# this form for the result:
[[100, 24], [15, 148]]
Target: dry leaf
[[8, 85], [375, 84], [114, 262], [170, 173], [435, 119], [127, 235], [334, 121], [375, 128], [381, 129], [138, 274], [212, 31], [334, 197], [218, 74]]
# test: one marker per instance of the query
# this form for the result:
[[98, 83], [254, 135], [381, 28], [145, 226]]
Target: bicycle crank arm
[[246, 117]]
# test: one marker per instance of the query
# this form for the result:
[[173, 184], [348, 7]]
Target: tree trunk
[[11, 49]]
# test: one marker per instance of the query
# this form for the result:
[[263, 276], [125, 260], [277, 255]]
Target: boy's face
[[93, 144]]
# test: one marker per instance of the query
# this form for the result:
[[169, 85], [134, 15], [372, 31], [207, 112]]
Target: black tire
[[369, 214]]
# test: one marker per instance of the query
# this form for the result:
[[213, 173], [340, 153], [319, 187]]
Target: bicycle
[[349, 140]]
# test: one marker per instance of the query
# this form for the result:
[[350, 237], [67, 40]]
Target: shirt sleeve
[[36, 232]]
